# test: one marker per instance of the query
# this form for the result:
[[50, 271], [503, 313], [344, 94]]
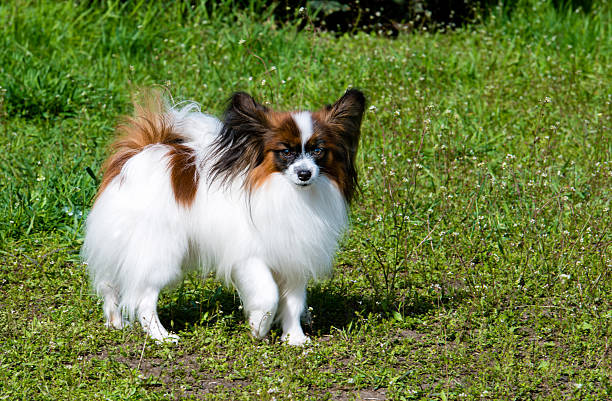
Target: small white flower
[[241, 42]]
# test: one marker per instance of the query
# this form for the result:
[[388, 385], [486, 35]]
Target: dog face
[[301, 146]]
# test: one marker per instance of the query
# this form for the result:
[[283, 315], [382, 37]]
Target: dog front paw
[[171, 338], [260, 323], [295, 339]]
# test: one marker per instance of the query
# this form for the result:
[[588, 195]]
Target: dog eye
[[317, 152], [286, 153]]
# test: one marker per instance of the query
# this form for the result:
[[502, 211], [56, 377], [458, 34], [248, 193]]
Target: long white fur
[[139, 240]]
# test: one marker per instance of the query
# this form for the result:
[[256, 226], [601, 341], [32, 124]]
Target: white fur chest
[[299, 229]]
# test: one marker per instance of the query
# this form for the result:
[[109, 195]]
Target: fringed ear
[[348, 111], [240, 145], [346, 115], [351, 105], [244, 110], [342, 121]]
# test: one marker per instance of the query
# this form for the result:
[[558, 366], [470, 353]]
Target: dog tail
[[150, 124]]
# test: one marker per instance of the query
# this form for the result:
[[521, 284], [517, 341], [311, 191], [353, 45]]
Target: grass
[[478, 263]]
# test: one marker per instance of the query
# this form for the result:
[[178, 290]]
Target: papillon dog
[[260, 198]]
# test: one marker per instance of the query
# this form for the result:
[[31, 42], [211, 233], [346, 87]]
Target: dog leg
[[259, 294], [111, 306], [291, 308], [147, 315]]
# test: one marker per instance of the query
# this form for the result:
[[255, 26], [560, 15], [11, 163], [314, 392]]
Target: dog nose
[[304, 175]]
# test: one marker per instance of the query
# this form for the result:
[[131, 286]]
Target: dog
[[259, 197]]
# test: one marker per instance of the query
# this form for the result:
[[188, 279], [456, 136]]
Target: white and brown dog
[[260, 198]]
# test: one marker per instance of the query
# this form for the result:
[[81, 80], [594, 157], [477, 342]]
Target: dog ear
[[240, 144], [349, 107], [346, 115], [245, 114], [342, 121]]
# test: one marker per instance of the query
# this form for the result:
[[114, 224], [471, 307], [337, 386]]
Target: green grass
[[478, 265]]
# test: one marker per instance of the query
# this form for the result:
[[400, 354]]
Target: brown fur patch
[[183, 174], [261, 173], [337, 161], [285, 129], [150, 125], [338, 127]]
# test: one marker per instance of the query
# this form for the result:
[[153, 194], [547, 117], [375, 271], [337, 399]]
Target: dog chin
[[303, 185]]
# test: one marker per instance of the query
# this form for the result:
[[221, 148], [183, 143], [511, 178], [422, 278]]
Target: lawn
[[478, 263]]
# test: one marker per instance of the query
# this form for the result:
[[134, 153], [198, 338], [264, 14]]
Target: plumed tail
[[150, 124]]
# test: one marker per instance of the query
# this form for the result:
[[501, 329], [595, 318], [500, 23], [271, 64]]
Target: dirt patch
[[407, 333], [343, 394], [184, 374]]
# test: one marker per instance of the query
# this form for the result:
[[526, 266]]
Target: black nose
[[304, 175]]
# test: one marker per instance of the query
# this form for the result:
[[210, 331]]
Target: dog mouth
[[303, 184]]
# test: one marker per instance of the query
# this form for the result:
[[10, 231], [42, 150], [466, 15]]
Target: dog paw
[[117, 323], [295, 339], [171, 338], [160, 335], [260, 323]]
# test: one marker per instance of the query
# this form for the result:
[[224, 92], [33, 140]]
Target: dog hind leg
[[112, 313]]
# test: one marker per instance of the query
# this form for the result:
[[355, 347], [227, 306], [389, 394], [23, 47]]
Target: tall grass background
[[478, 262]]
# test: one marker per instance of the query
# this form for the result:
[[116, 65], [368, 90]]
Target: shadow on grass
[[335, 308], [185, 308], [331, 306]]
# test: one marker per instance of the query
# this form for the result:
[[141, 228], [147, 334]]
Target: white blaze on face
[[303, 120], [304, 170]]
